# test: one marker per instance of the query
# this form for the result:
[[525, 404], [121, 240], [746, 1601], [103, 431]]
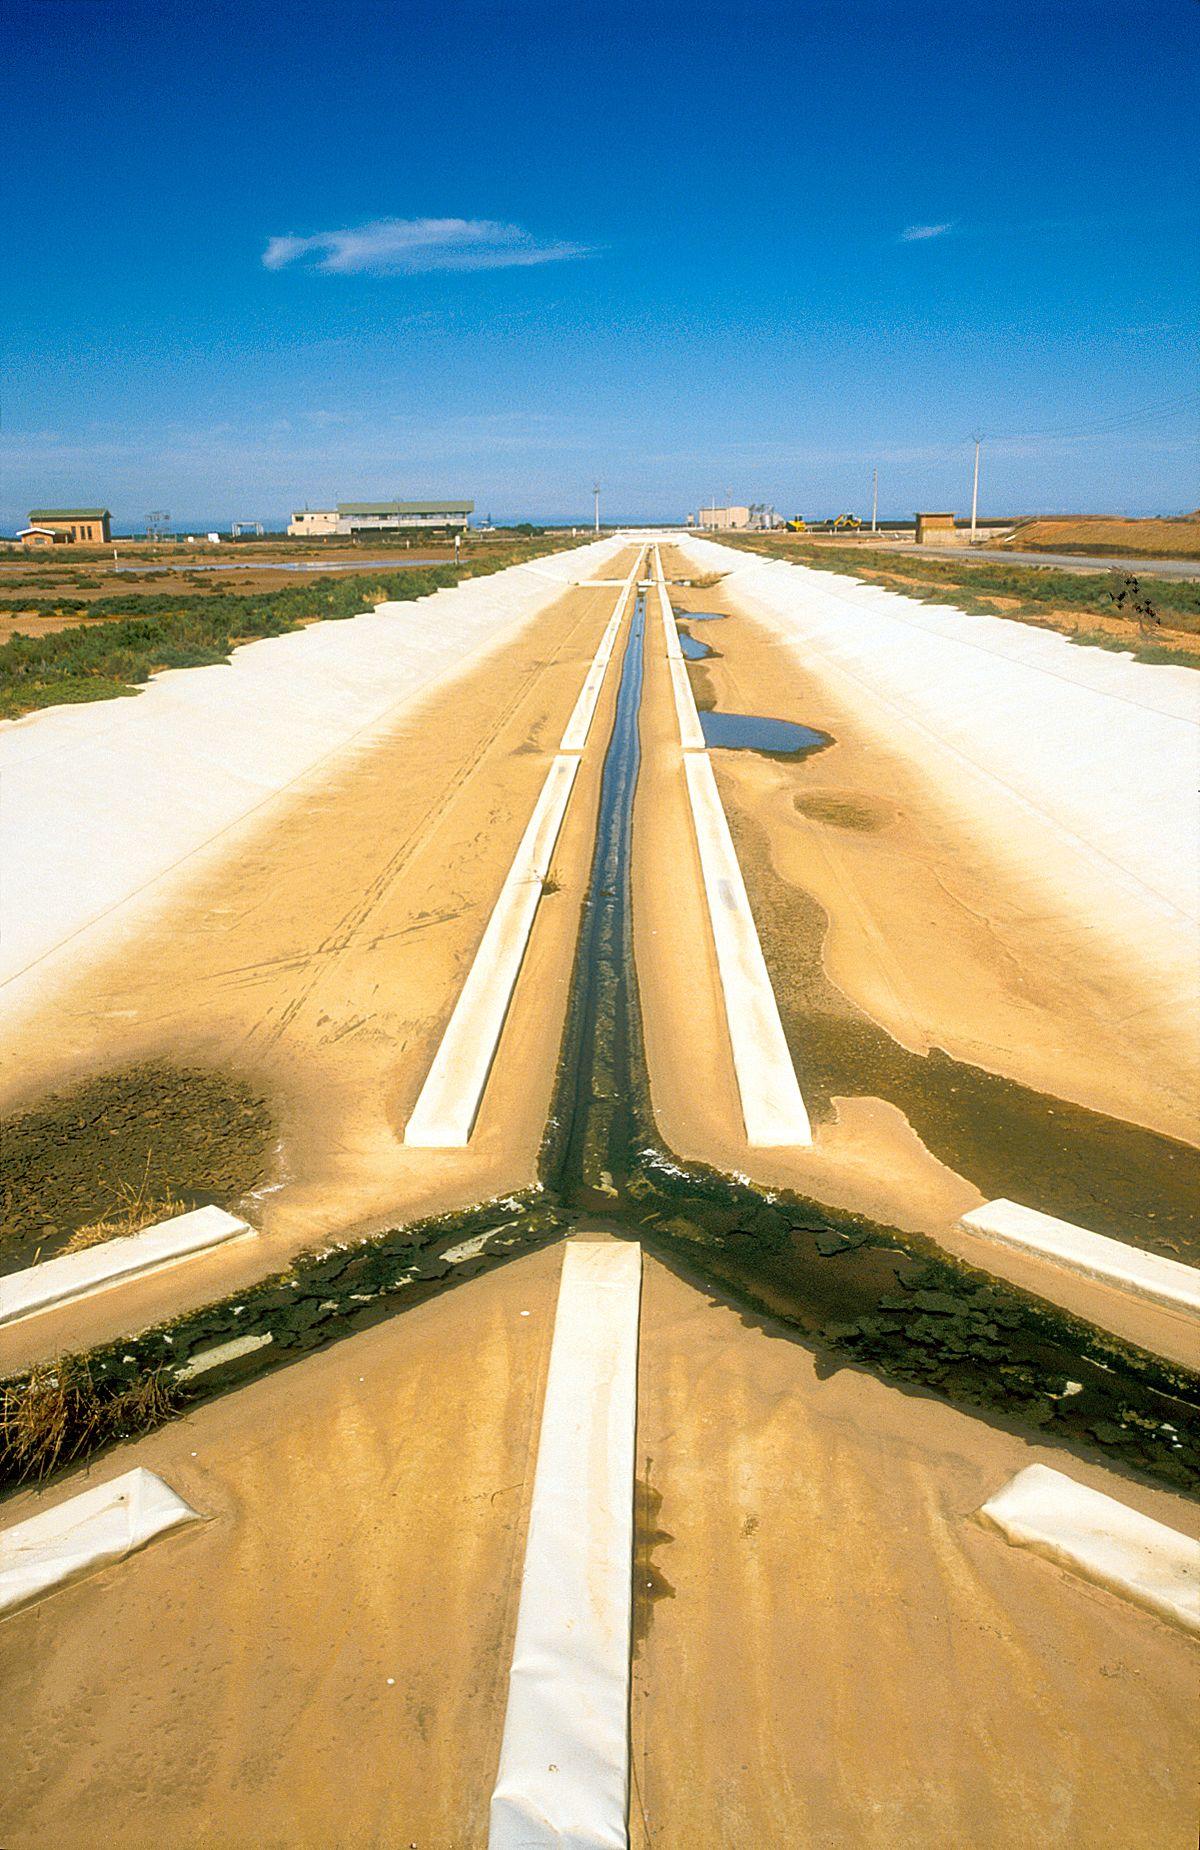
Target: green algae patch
[[163, 1132], [52, 1415]]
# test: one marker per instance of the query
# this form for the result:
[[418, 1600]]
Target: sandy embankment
[[324, 1659], [317, 949], [841, 1656], [892, 926], [831, 1651]]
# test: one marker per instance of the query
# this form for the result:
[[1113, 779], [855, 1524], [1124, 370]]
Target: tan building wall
[[313, 523], [936, 527], [83, 526], [723, 517]]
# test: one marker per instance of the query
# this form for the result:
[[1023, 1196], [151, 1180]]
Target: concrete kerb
[[579, 725], [1094, 1255], [1102, 1540], [100, 1525], [773, 1109], [563, 1777], [448, 1105], [77, 1275]]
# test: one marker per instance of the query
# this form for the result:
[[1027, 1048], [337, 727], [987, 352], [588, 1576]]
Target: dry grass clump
[[58, 1411], [135, 1208]]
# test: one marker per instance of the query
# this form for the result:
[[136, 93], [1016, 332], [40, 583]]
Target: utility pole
[[874, 501], [596, 494], [975, 487]]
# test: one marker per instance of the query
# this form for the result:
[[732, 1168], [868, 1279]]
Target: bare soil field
[[1177, 538]]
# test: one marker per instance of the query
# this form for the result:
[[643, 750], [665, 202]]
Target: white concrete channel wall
[[1080, 765], [448, 1104], [105, 805], [563, 1778], [773, 1109]]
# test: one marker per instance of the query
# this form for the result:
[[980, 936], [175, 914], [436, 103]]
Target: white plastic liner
[[670, 630], [103, 800], [445, 1112], [1080, 764], [1164, 1281], [773, 1109], [86, 1532], [691, 732], [1103, 1540], [580, 723], [448, 1104], [564, 1761], [76, 1275]]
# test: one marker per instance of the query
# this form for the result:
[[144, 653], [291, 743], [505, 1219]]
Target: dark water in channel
[[749, 732], [855, 1292]]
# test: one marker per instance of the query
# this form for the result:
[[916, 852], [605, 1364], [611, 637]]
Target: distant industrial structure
[[351, 518], [939, 527], [756, 518], [66, 526]]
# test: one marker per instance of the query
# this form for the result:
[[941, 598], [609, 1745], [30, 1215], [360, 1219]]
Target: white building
[[352, 517], [403, 516], [313, 523]]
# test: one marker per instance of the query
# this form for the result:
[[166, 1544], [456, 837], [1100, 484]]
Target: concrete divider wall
[[1080, 764], [102, 800]]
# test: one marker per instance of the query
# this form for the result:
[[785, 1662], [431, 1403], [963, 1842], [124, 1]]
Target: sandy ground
[[926, 933], [320, 959], [324, 1661], [844, 1656], [926, 938], [837, 1653], [831, 1651]]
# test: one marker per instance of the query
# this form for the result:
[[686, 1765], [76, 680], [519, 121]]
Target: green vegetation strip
[[123, 640], [1026, 593]]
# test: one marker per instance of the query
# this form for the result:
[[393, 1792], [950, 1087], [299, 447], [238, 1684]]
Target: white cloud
[[916, 234], [410, 246]]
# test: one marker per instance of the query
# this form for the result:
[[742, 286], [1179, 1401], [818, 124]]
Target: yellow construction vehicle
[[850, 522], [797, 526]]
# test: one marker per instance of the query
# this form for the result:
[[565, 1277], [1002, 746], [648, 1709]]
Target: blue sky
[[261, 257]]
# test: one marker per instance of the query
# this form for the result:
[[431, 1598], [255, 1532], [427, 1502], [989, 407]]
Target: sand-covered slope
[[102, 801], [1079, 765]]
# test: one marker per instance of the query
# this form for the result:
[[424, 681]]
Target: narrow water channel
[[854, 1292]]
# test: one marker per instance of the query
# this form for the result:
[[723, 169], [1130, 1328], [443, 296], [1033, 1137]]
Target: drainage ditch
[[855, 1292]]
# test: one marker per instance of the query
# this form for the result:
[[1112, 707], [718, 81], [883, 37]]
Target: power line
[[1126, 420]]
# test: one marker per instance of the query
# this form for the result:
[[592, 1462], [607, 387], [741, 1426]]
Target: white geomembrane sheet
[[77, 1275], [86, 1532], [563, 1780], [1102, 1540], [1114, 1262]]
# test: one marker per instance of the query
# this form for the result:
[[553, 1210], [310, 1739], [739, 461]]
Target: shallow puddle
[[693, 649], [749, 732]]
